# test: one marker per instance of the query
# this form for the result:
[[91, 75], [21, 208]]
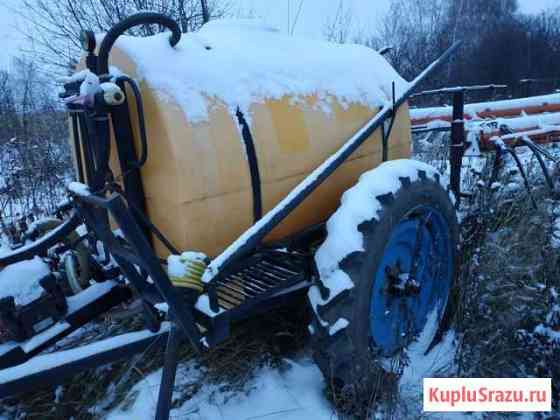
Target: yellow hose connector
[[186, 270]]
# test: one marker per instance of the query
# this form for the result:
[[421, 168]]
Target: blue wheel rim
[[398, 313]]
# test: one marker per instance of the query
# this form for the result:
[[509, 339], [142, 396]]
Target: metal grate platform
[[265, 276]]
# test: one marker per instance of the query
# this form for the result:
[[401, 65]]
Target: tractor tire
[[370, 303]]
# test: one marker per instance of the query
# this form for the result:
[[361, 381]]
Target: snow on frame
[[240, 62], [11, 286], [79, 189], [53, 360], [524, 122], [472, 109], [21, 280], [89, 295]]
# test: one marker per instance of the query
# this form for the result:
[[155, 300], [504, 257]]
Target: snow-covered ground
[[294, 391]]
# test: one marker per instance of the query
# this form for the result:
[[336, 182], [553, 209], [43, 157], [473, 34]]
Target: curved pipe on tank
[[143, 18]]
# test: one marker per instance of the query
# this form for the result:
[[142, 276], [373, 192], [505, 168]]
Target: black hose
[[141, 120], [144, 18], [253, 165], [537, 153], [523, 174]]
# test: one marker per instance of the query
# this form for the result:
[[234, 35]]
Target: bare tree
[[414, 29], [420, 30], [292, 28], [35, 161], [338, 28], [54, 27]]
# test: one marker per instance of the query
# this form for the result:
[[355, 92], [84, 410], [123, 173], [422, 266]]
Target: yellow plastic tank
[[302, 98]]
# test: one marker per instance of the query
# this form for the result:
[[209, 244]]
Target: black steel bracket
[[137, 251]]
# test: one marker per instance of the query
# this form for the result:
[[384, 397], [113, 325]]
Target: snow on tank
[[240, 62]]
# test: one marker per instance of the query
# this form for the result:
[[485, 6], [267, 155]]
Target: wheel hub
[[399, 283]]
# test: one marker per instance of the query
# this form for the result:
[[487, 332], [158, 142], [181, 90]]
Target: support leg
[[169, 372]]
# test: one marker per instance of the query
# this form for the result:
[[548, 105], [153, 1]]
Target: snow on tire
[[388, 263]]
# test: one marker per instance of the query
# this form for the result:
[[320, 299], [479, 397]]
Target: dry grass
[[507, 281]]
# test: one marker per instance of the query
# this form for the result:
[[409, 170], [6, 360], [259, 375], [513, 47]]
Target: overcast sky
[[312, 19]]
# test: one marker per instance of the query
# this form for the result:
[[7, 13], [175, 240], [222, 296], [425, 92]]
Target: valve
[[109, 94]]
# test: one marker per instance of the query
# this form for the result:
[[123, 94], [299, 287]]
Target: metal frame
[[136, 258], [74, 320], [139, 253], [56, 373], [458, 143], [42, 245]]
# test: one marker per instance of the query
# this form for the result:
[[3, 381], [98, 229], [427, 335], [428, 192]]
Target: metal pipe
[[457, 145], [77, 148], [143, 18]]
